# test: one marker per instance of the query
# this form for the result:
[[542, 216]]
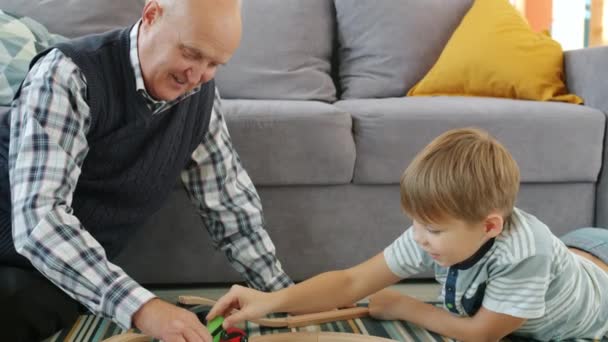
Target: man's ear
[[152, 12], [493, 224]]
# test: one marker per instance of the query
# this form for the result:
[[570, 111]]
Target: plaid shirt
[[48, 145]]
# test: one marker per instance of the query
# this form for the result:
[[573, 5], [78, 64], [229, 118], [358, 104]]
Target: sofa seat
[[292, 142], [552, 142]]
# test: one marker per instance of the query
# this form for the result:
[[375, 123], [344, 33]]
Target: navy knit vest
[[134, 157]]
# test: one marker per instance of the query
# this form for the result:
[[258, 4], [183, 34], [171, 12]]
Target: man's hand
[[251, 304], [170, 323], [387, 304]]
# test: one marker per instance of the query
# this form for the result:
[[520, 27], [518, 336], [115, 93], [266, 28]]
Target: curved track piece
[[291, 321], [284, 337], [129, 337], [317, 337]]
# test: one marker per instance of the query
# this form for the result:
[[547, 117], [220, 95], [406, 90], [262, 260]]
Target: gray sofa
[[314, 100]]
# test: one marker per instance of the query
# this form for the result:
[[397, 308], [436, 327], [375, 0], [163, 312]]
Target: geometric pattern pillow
[[21, 38]]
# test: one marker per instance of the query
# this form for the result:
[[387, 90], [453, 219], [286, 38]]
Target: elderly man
[[100, 130]]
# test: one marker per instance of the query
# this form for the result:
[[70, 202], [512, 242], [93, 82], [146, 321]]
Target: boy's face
[[454, 241]]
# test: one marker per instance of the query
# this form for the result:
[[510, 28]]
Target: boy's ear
[[493, 225]]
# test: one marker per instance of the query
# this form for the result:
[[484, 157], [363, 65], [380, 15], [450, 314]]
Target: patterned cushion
[[21, 38]]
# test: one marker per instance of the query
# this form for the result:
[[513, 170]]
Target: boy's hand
[[170, 323], [387, 304], [251, 304]]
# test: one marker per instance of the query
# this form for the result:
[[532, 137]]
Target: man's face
[[450, 242], [180, 50]]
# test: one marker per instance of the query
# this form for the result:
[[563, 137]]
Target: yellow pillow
[[495, 53]]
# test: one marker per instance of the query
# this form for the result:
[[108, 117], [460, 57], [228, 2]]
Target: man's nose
[[200, 74], [193, 75]]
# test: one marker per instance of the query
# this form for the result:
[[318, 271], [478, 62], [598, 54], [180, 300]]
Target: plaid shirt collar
[[156, 106]]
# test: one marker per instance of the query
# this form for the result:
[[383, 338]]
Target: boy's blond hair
[[463, 174]]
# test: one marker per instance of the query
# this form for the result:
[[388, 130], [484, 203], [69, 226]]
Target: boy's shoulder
[[525, 237]]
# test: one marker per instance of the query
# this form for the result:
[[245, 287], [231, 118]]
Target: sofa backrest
[[386, 46], [74, 18], [285, 52], [377, 48]]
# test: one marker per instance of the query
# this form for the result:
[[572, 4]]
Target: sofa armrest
[[587, 77]]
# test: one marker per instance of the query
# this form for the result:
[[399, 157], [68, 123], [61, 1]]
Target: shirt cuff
[[278, 282], [123, 298]]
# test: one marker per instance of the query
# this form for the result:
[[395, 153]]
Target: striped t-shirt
[[524, 272]]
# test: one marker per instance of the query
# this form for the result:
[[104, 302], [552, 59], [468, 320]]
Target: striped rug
[[90, 328]]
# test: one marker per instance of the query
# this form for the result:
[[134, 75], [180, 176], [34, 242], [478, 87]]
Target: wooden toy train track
[[287, 322], [283, 337]]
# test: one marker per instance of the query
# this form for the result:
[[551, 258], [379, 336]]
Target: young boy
[[502, 271]]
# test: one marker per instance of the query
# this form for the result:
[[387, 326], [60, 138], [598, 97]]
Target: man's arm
[[485, 325], [48, 145], [230, 207]]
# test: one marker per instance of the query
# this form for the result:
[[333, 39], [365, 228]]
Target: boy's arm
[[337, 288], [401, 259], [486, 325], [320, 293]]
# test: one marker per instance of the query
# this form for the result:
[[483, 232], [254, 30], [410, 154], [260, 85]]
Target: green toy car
[[220, 335]]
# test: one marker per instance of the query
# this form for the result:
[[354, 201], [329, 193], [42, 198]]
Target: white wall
[[569, 23]]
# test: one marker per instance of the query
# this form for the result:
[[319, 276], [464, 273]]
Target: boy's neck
[[468, 263]]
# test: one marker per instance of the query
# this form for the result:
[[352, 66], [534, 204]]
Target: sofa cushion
[[314, 229], [386, 46], [73, 18], [285, 52], [292, 142], [552, 142]]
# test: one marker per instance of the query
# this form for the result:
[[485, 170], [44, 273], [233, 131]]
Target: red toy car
[[233, 335]]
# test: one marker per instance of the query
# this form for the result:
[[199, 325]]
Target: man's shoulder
[[53, 64], [49, 58], [93, 42]]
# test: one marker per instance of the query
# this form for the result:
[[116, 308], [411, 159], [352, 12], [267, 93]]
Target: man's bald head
[[190, 7], [219, 20], [239, 3]]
